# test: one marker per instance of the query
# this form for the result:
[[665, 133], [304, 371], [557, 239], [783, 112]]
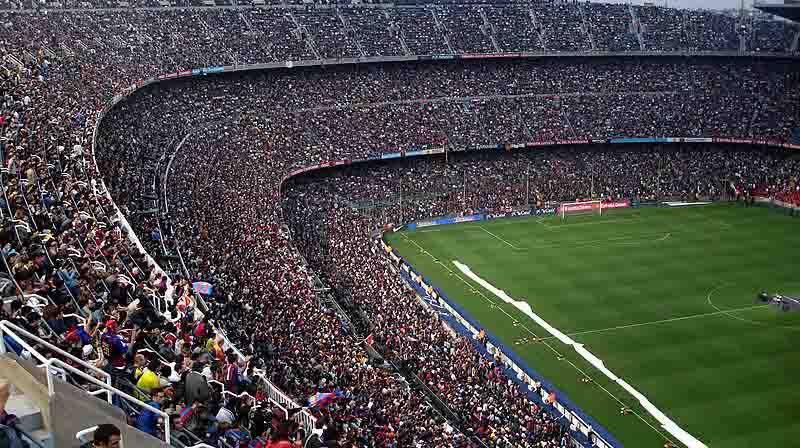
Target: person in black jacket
[[195, 386]]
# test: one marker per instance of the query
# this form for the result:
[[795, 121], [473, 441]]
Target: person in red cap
[[114, 349]]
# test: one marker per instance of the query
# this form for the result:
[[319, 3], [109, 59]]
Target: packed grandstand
[[142, 157]]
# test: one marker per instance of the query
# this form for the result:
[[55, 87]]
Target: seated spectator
[[148, 420]]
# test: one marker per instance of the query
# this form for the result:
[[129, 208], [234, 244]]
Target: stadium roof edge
[[789, 11]]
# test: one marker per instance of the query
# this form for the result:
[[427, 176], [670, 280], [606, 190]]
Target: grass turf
[[680, 282]]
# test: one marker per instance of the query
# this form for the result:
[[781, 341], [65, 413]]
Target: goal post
[[580, 207]]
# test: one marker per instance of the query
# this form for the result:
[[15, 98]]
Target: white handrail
[[39, 299], [111, 391], [55, 369], [285, 410], [78, 317], [10, 329], [79, 435], [275, 395], [48, 368], [168, 296]]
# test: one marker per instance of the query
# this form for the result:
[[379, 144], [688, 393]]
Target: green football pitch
[[666, 297]]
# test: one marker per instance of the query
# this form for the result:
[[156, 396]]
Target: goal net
[[580, 208]]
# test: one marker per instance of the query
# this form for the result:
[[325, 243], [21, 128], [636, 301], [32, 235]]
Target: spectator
[[233, 227], [150, 380], [147, 421], [196, 387], [114, 349], [107, 436]]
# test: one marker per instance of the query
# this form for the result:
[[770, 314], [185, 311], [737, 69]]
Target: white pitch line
[[662, 321], [739, 318], [542, 222], [502, 240], [594, 223], [616, 241], [726, 312]]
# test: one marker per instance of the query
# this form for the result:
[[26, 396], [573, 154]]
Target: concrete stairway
[[31, 421]]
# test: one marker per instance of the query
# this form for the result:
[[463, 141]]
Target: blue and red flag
[[203, 288], [322, 399], [185, 415]]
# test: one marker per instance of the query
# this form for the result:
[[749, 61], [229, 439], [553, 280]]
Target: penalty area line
[[729, 312], [500, 239], [592, 223]]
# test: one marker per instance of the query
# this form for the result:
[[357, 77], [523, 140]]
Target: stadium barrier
[[790, 208], [587, 432], [161, 302], [514, 213], [444, 221], [520, 213], [572, 208]]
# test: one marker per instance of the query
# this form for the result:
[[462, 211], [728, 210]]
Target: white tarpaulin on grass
[[668, 425]]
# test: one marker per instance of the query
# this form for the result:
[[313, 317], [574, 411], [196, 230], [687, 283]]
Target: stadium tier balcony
[[612, 27], [376, 30], [421, 32], [515, 28], [329, 33], [466, 31], [561, 27]]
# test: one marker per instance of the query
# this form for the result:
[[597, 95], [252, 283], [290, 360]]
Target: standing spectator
[[195, 386], [114, 349], [150, 380], [232, 374]]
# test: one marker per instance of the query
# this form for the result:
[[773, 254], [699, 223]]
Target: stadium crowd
[[92, 292], [190, 38], [357, 112], [496, 181], [224, 206]]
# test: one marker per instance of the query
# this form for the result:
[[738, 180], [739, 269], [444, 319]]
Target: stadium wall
[[790, 208]]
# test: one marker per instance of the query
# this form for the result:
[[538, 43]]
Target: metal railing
[[124, 224], [275, 395], [9, 329], [283, 408], [111, 392]]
